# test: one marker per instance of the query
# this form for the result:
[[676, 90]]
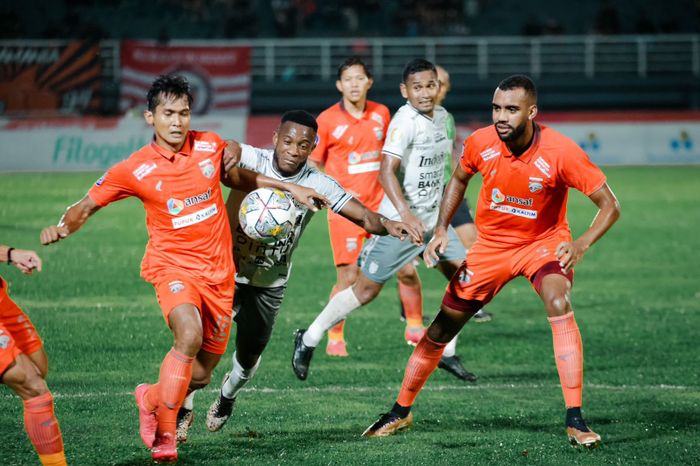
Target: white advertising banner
[[93, 144]]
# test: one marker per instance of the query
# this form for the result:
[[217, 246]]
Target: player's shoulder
[[556, 143], [205, 136], [405, 114], [330, 113], [484, 137]]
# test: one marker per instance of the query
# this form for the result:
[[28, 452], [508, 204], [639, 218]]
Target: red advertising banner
[[50, 79], [219, 75]]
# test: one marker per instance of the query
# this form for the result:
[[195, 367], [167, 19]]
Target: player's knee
[[366, 292], [188, 341], [558, 305], [408, 277]]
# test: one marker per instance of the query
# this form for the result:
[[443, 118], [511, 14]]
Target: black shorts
[[255, 311], [462, 216]]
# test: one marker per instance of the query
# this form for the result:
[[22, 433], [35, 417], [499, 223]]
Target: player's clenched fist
[[53, 234]]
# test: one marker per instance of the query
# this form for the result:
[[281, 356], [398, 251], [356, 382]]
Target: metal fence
[[556, 56]]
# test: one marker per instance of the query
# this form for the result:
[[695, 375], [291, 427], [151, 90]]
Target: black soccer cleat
[[301, 358], [388, 424], [219, 412], [453, 365]]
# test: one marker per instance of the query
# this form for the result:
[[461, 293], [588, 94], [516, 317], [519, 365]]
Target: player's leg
[[40, 422], [554, 287], [256, 311], [411, 297], [346, 274]]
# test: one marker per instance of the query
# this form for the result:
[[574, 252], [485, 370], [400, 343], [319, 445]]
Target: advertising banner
[[50, 79], [219, 75]]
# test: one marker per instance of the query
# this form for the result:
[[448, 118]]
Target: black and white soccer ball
[[267, 215]]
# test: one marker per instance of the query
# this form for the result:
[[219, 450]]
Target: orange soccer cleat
[[164, 449], [147, 419]]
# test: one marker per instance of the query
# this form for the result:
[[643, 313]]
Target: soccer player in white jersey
[[415, 152], [262, 270]]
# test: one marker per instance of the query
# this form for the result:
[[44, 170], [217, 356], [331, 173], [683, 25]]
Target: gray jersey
[[424, 147], [269, 265]]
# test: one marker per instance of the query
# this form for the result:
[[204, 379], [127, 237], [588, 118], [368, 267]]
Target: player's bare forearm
[[361, 216], [392, 188], [75, 217], [453, 195], [606, 217]]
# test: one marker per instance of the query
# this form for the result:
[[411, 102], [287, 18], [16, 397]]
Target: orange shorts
[[346, 239], [489, 266], [214, 302], [17, 333]]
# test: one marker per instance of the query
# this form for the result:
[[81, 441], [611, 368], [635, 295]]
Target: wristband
[[9, 255]]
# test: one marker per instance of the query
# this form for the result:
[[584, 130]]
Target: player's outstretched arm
[[75, 217], [26, 261], [378, 224], [571, 253], [247, 180], [392, 188]]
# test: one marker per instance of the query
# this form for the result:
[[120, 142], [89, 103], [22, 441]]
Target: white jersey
[[269, 265], [423, 146]]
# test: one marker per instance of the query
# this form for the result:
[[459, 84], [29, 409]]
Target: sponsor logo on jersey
[[100, 180], [339, 130], [497, 196], [175, 206], [194, 200], [176, 286], [379, 132], [196, 217], [143, 170], [543, 166], [512, 210], [535, 184], [204, 146], [490, 153], [207, 167], [377, 117]]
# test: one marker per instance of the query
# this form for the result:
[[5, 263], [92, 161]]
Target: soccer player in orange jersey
[[188, 258], [23, 365], [350, 139], [527, 169]]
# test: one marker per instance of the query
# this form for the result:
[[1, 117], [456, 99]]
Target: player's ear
[[275, 136], [404, 93], [370, 83], [338, 86], [533, 112], [148, 116]]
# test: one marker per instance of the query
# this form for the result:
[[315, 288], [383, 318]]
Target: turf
[[637, 300]]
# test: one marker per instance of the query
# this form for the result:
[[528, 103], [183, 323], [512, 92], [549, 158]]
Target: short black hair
[[168, 85], [519, 81], [301, 117], [416, 66], [354, 61]]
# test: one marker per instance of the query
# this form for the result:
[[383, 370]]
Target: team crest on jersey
[[339, 131], [204, 146], [377, 117], [535, 184], [497, 195], [351, 244], [395, 135], [176, 286], [207, 167], [175, 206], [379, 132], [143, 170]]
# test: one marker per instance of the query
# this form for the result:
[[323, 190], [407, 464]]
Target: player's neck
[[523, 143], [167, 146], [357, 109]]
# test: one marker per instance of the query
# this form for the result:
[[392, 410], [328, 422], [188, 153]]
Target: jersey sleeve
[[399, 137], [577, 170], [114, 185], [468, 157], [320, 153], [251, 158], [330, 188]]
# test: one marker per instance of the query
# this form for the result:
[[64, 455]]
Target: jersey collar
[[526, 156], [419, 113], [347, 115], [165, 153]]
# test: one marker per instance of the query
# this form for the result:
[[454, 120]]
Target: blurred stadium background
[[621, 77]]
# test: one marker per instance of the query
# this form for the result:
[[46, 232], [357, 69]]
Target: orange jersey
[[351, 149], [186, 216], [523, 199]]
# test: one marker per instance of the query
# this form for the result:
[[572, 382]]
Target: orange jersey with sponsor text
[[523, 198], [351, 149], [186, 216]]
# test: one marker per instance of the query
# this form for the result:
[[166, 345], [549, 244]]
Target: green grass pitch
[[636, 296]]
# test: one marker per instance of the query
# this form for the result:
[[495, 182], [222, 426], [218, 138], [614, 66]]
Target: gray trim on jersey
[[383, 256]]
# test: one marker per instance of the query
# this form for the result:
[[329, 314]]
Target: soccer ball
[[267, 215]]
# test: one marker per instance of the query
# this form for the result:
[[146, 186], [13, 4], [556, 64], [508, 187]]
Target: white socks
[[342, 304], [451, 348], [238, 378], [188, 403]]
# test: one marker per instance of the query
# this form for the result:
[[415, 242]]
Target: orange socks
[[568, 353], [412, 301], [422, 363], [43, 430], [175, 376], [337, 332]]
